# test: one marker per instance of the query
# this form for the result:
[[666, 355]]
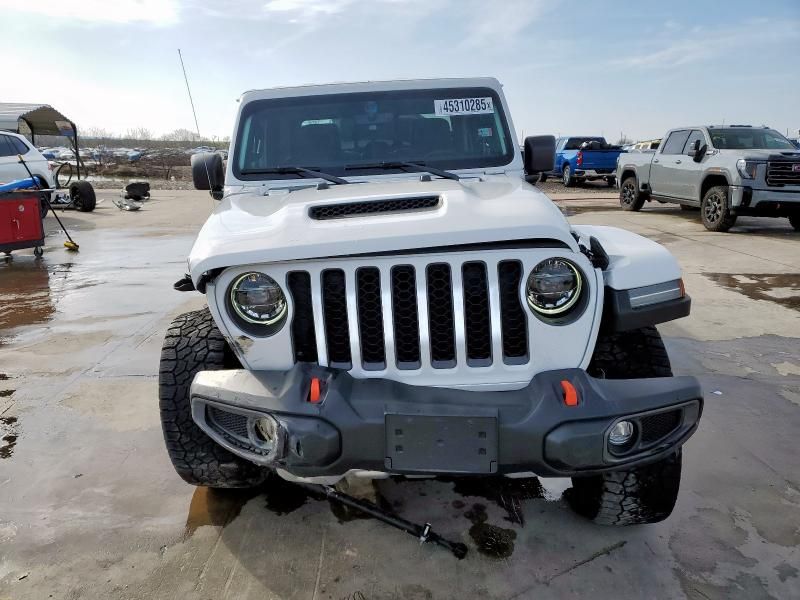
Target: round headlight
[[554, 286], [258, 299]]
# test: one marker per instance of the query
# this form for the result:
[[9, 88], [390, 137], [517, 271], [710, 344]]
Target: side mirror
[[699, 152], [208, 174], [539, 155]]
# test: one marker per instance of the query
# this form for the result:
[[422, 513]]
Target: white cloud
[[498, 24], [704, 44], [156, 12]]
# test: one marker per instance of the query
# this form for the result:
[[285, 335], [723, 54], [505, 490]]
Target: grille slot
[[228, 422], [405, 317], [440, 315], [372, 207], [781, 173], [303, 332], [337, 327], [477, 319], [370, 318], [513, 322], [659, 426]]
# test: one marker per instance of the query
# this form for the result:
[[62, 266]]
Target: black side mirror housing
[[208, 173], [699, 152], [539, 155]]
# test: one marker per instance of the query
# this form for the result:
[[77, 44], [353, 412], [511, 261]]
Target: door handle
[[677, 162]]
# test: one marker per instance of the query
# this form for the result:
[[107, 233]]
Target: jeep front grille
[[780, 173], [404, 316]]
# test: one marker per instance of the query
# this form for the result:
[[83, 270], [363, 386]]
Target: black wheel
[[38, 251], [689, 208], [566, 176], [794, 221], [82, 195], [192, 344], [611, 181], [44, 205], [715, 210], [630, 198], [542, 177], [645, 494]]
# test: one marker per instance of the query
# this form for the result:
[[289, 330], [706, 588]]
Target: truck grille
[[406, 316], [780, 173]]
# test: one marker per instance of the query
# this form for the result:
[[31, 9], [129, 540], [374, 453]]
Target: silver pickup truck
[[726, 171]]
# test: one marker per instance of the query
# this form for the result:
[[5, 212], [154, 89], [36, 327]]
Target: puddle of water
[[493, 541], [782, 288], [8, 431]]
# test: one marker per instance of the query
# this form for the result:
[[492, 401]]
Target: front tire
[[630, 198], [794, 221], [715, 210], [644, 494], [192, 344]]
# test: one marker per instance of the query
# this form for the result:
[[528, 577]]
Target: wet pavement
[[91, 508]]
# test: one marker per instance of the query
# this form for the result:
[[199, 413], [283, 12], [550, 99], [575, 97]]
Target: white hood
[[250, 227]]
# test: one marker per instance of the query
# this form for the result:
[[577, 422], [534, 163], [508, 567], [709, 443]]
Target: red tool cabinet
[[20, 222]]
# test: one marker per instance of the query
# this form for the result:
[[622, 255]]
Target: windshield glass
[[458, 128], [744, 138]]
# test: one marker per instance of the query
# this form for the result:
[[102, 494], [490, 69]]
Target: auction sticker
[[463, 106]]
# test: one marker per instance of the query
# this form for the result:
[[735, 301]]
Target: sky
[[582, 67]]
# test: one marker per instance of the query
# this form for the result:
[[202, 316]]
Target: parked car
[[726, 171], [582, 158], [646, 145], [441, 317]]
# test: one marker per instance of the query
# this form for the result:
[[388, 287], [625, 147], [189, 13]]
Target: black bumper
[[383, 425]]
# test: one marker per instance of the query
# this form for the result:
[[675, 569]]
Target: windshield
[[744, 138], [458, 128]]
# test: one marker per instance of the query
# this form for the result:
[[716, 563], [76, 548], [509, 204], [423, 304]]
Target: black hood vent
[[326, 212]]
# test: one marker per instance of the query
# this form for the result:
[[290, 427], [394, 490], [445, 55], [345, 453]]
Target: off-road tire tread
[[638, 202], [645, 494], [725, 223], [193, 343]]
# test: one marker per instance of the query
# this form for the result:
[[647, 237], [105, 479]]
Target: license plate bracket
[[441, 444]]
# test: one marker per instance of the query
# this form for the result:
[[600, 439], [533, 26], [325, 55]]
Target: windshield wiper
[[400, 164], [302, 171]]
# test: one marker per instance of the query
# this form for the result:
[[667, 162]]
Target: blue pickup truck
[[584, 158]]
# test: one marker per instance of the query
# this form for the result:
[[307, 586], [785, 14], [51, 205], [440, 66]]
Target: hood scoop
[[346, 210]]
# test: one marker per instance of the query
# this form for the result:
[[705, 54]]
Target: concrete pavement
[[91, 508]]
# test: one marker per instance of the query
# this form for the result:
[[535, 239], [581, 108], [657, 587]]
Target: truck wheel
[[611, 181], [715, 211], [645, 494], [630, 198], [566, 177], [193, 343], [794, 221], [542, 177], [82, 195]]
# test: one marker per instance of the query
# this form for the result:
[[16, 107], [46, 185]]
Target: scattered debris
[[23, 576], [717, 393]]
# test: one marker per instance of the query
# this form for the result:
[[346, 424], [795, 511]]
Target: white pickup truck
[[387, 296], [726, 171]]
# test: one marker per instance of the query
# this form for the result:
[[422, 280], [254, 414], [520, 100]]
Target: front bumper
[[747, 200], [383, 425]]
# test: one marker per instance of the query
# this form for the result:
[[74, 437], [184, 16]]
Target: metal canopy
[[38, 119]]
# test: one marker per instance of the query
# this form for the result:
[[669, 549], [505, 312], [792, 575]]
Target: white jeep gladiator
[[388, 296], [725, 171]]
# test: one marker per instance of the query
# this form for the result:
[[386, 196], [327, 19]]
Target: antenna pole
[[191, 101]]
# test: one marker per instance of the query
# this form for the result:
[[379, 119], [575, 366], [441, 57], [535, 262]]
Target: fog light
[[267, 429], [621, 433]]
